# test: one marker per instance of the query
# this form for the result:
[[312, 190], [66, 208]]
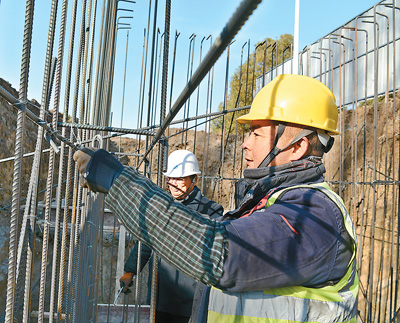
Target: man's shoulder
[[314, 196], [210, 203], [299, 188], [206, 205]]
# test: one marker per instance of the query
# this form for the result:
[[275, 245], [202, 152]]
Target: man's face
[[179, 185], [260, 142]]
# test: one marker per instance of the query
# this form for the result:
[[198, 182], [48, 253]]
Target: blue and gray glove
[[101, 171]]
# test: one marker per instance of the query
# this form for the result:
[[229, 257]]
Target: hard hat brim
[[249, 117], [295, 99]]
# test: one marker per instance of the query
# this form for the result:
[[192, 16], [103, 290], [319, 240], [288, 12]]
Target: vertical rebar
[[153, 295], [188, 76], [197, 100], [395, 268], [207, 126], [17, 174]]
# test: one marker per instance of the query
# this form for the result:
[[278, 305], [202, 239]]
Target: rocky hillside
[[207, 148], [8, 117]]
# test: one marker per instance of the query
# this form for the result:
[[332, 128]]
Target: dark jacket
[[175, 289], [281, 245]]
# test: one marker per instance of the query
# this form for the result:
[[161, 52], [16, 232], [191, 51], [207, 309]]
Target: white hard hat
[[182, 163]]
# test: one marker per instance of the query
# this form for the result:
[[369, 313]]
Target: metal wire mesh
[[74, 277]]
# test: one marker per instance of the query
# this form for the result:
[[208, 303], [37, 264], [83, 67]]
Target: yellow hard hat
[[296, 99]]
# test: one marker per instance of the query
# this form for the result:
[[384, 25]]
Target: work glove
[[126, 281], [99, 169]]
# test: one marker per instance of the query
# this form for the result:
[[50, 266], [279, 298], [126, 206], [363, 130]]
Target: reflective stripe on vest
[[337, 303]]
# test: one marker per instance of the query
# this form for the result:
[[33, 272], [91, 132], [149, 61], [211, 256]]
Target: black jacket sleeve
[[131, 263], [197, 201]]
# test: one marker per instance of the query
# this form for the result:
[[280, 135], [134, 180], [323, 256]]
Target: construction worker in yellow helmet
[[286, 253]]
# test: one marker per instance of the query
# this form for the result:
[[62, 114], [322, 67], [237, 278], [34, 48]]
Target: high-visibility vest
[[336, 303]]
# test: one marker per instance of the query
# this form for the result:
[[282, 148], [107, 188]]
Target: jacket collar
[[256, 183], [193, 196]]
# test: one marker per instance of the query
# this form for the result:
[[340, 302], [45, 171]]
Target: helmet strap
[[326, 140], [329, 145], [183, 195], [275, 151]]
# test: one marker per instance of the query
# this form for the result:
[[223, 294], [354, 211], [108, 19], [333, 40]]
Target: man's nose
[[245, 144]]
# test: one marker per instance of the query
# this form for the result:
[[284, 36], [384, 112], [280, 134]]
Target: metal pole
[[237, 20], [296, 38], [17, 174]]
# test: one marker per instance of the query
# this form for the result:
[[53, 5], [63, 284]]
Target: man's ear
[[300, 148]]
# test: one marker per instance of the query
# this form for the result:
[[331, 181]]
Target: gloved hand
[[127, 281], [99, 169]]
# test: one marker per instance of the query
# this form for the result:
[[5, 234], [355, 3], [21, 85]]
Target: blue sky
[[271, 19]]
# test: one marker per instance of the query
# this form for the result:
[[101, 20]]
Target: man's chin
[[177, 194], [250, 165]]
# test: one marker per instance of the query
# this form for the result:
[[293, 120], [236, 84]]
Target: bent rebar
[[234, 24]]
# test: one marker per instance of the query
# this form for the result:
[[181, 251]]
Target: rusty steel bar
[[189, 73], [17, 174], [242, 13], [207, 134], [197, 100]]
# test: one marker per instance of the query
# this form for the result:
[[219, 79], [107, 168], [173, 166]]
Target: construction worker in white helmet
[[181, 174], [287, 252], [175, 290]]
